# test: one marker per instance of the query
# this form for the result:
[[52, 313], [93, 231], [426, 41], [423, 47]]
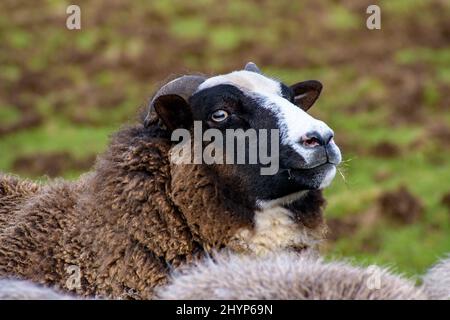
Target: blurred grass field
[[386, 95]]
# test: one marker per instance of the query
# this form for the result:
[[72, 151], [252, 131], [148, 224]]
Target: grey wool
[[11, 289], [436, 281], [286, 275]]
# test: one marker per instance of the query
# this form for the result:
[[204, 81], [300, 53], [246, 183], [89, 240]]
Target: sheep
[[120, 229], [436, 281], [285, 276]]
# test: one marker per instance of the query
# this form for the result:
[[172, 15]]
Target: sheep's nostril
[[310, 142], [312, 139], [315, 139]]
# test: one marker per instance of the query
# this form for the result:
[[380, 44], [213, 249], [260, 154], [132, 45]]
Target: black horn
[[180, 89], [252, 67]]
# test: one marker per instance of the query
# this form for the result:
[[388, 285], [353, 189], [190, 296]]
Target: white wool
[[274, 230]]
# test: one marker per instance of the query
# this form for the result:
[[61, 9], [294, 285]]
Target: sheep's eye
[[219, 115]]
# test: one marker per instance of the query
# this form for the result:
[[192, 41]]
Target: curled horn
[[183, 86], [250, 66]]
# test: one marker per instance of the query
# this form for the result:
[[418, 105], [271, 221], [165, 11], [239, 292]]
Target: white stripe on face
[[247, 81], [294, 123]]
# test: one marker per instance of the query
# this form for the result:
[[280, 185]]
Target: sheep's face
[[306, 155]]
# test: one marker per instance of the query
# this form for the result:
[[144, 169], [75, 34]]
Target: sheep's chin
[[329, 176], [292, 197]]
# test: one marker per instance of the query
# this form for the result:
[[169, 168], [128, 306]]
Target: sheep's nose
[[315, 139]]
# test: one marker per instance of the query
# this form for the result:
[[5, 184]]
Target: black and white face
[[245, 99], [308, 155]]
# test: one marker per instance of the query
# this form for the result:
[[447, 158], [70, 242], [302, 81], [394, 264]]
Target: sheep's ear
[[306, 93], [173, 111]]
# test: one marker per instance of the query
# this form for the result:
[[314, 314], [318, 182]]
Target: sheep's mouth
[[315, 178], [319, 168]]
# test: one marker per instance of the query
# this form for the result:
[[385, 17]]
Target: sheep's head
[[302, 147]]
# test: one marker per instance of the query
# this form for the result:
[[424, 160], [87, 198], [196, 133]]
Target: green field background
[[386, 95]]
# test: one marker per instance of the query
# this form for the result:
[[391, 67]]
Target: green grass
[[8, 114], [54, 137], [411, 248]]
